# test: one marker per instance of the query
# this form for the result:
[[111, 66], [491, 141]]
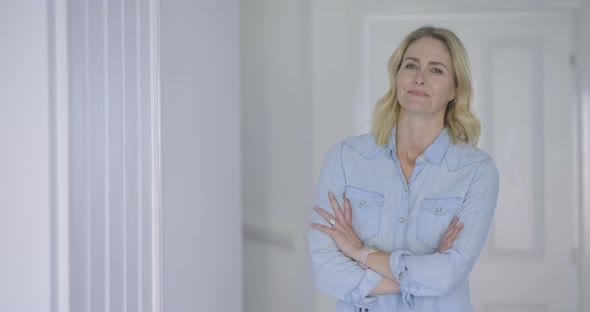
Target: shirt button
[[401, 220], [362, 202], [438, 209], [420, 159]]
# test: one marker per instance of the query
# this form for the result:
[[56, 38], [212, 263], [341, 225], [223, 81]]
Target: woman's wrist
[[364, 255], [354, 254]]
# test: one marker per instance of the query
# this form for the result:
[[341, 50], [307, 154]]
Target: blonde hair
[[463, 124]]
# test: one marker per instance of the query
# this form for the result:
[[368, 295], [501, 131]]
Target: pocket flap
[[442, 205], [362, 198]]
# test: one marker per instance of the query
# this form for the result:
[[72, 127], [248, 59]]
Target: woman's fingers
[[326, 229], [324, 214], [347, 210], [323, 228], [456, 231], [336, 207], [451, 228], [450, 235], [455, 220]]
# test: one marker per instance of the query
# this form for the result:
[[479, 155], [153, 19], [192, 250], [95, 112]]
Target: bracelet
[[365, 252]]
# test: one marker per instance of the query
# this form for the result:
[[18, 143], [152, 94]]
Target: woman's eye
[[410, 66], [437, 71]]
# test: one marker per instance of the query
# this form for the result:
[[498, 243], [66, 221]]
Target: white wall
[[276, 144], [200, 142], [24, 160]]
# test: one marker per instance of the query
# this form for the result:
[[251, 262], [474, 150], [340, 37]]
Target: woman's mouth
[[417, 93]]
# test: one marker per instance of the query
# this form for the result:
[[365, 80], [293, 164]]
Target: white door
[[525, 97]]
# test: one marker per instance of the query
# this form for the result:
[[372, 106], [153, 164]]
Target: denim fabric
[[406, 219]]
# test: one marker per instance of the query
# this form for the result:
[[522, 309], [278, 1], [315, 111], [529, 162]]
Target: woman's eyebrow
[[411, 58], [437, 63]]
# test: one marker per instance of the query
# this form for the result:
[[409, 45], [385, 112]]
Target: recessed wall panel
[[515, 132]]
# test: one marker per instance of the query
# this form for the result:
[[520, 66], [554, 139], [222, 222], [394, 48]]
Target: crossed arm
[[345, 237]]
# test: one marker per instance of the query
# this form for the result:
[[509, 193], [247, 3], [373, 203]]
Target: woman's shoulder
[[364, 145], [462, 155]]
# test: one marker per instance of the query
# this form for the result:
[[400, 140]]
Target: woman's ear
[[453, 96]]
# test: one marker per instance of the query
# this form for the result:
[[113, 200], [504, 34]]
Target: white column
[[111, 155]]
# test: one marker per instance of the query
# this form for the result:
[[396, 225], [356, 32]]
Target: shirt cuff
[[360, 296], [401, 272]]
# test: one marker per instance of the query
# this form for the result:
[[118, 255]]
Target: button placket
[[401, 221], [399, 238]]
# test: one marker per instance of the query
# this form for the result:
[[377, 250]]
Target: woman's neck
[[415, 133]]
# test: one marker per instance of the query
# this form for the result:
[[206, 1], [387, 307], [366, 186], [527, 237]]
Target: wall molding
[[533, 45], [156, 178], [583, 254], [58, 155], [270, 236]]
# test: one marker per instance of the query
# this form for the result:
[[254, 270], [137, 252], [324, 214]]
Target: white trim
[[156, 175], [468, 5], [464, 16], [106, 152], [276, 237], [581, 64], [59, 149], [584, 243]]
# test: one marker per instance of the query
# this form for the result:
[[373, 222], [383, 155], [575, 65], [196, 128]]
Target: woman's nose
[[419, 78]]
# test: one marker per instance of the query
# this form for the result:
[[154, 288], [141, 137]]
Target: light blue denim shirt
[[406, 220]]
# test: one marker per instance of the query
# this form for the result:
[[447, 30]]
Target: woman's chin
[[420, 108]]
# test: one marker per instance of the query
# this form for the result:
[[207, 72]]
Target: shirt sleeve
[[334, 273], [436, 274]]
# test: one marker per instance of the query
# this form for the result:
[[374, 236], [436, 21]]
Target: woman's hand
[[347, 240], [341, 229], [450, 235]]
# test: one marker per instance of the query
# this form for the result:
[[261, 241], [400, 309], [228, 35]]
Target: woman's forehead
[[428, 49]]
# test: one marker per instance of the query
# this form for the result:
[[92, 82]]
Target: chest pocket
[[436, 214], [366, 211]]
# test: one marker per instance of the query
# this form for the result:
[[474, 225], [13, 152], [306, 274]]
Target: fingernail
[[331, 194]]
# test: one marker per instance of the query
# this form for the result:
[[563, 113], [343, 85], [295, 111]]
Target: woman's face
[[425, 82]]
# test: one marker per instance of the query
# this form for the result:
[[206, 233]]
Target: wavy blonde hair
[[463, 124]]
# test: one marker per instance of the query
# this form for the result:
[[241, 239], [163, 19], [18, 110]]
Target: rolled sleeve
[[436, 274], [404, 279], [360, 296], [334, 273]]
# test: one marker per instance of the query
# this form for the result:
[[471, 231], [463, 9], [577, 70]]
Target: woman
[[394, 241]]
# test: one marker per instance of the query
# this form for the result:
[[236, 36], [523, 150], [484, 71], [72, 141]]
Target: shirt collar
[[434, 153]]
